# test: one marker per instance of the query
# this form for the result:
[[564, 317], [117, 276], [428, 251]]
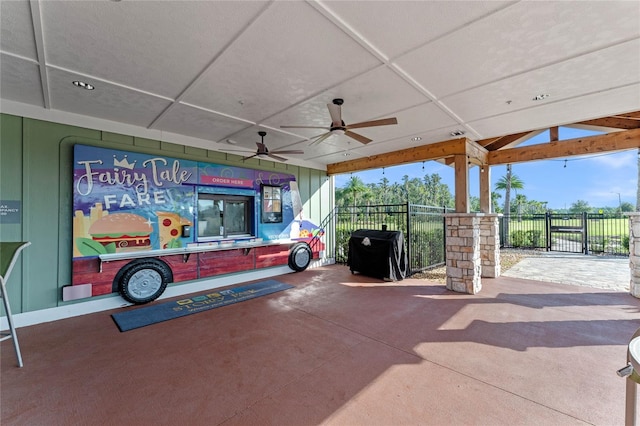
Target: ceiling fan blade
[[357, 137], [372, 123], [320, 138], [251, 156], [276, 157], [305, 127], [336, 114], [288, 151]]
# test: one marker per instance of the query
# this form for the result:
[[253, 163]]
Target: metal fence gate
[[567, 232], [589, 233]]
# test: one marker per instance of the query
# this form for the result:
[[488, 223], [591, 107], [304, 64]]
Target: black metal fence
[[422, 226], [568, 232], [424, 233]]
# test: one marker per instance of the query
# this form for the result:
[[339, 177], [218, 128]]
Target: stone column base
[[463, 252], [490, 245]]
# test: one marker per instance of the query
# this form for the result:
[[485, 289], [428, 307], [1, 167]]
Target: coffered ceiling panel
[[262, 75], [159, 47], [593, 73], [557, 113], [199, 123], [16, 30], [20, 80], [369, 95], [395, 27], [198, 73], [517, 39], [107, 101]]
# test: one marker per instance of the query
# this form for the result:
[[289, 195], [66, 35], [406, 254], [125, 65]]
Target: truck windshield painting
[[141, 204]]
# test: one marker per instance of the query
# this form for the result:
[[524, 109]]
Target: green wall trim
[[172, 147], [146, 143], [196, 152], [117, 138]]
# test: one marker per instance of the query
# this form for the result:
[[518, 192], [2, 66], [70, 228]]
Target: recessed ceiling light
[[231, 142], [83, 85], [457, 133], [541, 97], [416, 139], [346, 154]]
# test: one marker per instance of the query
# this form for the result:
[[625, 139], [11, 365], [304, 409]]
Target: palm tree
[[354, 186], [505, 183], [520, 200], [495, 196], [384, 184]]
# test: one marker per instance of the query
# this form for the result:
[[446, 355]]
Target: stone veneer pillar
[[634, 253], [463, 252], [490, 245]]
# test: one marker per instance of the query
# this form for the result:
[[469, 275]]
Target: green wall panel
[[11, 190], [36, 168], [43, 176]]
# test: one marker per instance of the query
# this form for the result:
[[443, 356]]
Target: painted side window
[[222, 216]]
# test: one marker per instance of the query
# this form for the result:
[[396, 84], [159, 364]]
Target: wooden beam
[[618, 141], [486, 142], [553, 134], [614, 123], [635, 114], [432, 151], [499, 143], [476, 153]]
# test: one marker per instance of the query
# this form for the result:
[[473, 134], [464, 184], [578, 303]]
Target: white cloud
[[617, 160]]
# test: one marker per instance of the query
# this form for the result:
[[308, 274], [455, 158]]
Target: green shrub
[[535, 237], [625, 242], [519, 239], [530, 239]]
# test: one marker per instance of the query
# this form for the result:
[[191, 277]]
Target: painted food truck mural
[[142, 221]]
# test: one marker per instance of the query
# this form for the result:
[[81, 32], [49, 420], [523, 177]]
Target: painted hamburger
[[127, 231]]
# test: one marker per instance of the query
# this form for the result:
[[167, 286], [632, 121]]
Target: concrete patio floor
[[338, 349]]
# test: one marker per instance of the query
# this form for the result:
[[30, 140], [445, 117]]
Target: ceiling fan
[[263, 151], [338, 126]]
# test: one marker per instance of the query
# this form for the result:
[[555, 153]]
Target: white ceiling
[[200, 73]]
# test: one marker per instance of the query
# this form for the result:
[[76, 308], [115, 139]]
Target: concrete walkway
[[605, 272]]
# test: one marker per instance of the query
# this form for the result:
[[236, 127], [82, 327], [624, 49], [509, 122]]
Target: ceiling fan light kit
[[339, 127]]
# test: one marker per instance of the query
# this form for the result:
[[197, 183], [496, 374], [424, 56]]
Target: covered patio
[[338, 349]]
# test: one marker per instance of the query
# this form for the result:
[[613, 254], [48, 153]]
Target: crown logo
[[124, 163]]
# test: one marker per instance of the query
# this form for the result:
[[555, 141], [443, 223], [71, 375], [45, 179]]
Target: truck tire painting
[[143, 280], [300, 257]]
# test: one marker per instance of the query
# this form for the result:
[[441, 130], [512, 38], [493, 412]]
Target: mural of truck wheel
[[300, 257], [143, 280]]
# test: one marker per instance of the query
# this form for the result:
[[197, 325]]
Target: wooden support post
[[485, 189], [462, 183]]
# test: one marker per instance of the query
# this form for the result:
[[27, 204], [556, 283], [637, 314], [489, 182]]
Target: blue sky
[[597, 179]]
